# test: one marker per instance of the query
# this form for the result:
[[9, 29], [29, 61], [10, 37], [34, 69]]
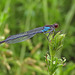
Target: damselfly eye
[[55, 25]]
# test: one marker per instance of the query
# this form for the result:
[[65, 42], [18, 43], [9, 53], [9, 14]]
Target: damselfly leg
[[49, 33]]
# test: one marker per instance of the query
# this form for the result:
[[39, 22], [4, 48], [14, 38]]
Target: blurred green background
[[27, 58]]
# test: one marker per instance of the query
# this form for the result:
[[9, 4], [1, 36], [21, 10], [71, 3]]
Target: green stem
[[45, 11], [51, 57], [21, 57]]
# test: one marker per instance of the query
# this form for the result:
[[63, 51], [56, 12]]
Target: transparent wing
[[23, 36], [20, 39]]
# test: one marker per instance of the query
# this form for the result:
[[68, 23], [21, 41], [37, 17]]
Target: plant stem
[[51, 57], [21, 58]]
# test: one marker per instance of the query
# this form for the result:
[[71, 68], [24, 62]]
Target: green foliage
[[55, 44], [27, 58]]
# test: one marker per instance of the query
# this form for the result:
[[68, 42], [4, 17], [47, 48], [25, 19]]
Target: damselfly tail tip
[[56, 25], [2, 42]]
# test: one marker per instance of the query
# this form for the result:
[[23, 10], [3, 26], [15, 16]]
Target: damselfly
[[26, 35]]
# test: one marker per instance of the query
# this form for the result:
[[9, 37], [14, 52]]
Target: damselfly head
[[55, 25]]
